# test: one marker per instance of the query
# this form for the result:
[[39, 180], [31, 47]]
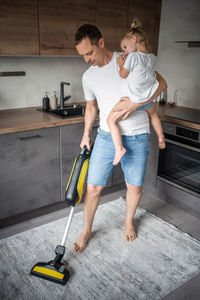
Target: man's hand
[[86, 142], [124, 108]]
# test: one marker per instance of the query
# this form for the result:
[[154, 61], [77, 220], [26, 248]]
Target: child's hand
[[120, 61], [124, 56]]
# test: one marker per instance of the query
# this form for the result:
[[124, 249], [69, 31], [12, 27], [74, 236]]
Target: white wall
[[180, 65], [42, 74]]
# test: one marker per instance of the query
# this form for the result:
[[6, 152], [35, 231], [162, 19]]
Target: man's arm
[[162, 86], [126, 107], [90, 115]]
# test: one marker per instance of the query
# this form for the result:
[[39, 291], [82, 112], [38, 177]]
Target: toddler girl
[[138, 66]]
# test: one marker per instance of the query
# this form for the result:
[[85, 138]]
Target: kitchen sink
[[68, 111]]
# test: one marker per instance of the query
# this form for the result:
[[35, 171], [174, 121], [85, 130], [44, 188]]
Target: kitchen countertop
[[179, 115], [22, 119]]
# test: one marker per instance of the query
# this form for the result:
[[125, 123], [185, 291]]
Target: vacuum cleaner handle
[[74, 189]]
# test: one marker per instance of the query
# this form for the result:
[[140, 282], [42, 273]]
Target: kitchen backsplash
[[42, 74]]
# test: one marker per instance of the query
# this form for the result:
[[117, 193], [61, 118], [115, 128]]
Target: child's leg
[[156, 124], [116, 136]]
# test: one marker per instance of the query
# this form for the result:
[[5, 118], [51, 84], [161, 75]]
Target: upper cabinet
[[148, 12], [111, 18], [19, 27], [47, 27], [58, 22]]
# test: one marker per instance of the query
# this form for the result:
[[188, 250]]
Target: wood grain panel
[[157, 26], [59, 21], [23, 119], [111, 18], [19, 27], [148, 12]]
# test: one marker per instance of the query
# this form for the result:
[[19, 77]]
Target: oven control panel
[[187, 133], [180, 131]]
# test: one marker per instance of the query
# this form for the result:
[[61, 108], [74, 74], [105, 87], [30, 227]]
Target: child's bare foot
[[161, 143], [130, 234], [81, 243], [118, 155]]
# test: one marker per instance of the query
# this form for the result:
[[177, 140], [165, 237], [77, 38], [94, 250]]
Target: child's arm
[[122, 71]]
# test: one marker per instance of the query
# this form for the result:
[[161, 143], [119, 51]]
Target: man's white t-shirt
[[141, 82], [104, 85]]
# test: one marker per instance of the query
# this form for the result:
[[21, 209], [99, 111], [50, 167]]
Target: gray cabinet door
[[117, 175], [70, 148], [29, 170], [151, 171]]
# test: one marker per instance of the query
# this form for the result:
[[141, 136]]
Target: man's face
[[91, 53]]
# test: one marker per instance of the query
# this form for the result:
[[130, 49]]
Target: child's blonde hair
[[137, 30]]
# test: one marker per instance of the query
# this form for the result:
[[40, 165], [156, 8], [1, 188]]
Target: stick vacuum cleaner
[[54, 270]]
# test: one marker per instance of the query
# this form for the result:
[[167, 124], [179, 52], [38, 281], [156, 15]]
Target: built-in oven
[[179, 162]]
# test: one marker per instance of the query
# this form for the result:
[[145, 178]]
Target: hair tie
[[135, 24]]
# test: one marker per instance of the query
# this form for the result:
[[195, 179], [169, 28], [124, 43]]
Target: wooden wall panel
[[148, 12], [47, 27], [19, 27], [59, 21], [111, 18]]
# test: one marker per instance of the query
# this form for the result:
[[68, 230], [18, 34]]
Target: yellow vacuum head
[[52, 271]]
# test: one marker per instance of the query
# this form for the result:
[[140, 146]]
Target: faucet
[[62, 98]]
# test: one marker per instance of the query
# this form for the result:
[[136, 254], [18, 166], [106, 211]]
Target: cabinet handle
[[182, 145], [19, 139]]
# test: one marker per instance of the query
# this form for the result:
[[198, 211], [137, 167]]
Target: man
[[101, 84]]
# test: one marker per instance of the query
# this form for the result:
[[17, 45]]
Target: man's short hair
[[88, 31]]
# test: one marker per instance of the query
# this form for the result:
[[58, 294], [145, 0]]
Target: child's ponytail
[[137, 29], [135, 24]]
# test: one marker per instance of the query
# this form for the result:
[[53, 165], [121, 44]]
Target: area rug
[[161, 259]]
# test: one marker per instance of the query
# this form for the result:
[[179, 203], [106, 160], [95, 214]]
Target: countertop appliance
[[179, 163]]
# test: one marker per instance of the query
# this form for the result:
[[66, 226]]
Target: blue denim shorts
[[145, 107], [133, 162]]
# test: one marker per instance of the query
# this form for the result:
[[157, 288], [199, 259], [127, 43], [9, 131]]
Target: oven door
[[179, 165]]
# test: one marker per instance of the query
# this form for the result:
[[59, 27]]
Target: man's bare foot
[[118, 155], [81, 243], [130, 234], [161, 143]]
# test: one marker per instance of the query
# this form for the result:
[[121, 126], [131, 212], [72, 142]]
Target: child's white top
[[141, 82]]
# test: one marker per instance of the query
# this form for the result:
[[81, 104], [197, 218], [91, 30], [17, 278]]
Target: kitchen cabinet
[[111, 18], [58, 22], [36, 166], [152, 162], [30, 170], [117, 175], [47, 27], [19, 27], [148, 12]]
